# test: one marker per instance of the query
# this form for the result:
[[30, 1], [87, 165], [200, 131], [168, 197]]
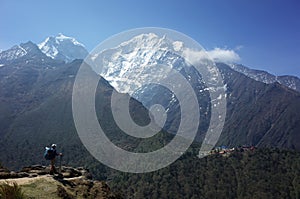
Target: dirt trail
[[28, 180], [25, 180]]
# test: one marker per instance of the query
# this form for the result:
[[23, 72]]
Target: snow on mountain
[[257, 75], [125, 65], [15, 52], [135, 61], [26, 51], [63, 48], [290, 81], [265, 77], [138, 65]]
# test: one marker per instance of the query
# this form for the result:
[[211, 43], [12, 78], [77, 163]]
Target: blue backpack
[[49, 153]]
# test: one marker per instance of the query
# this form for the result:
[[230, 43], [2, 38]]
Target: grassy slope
[[42, 189]]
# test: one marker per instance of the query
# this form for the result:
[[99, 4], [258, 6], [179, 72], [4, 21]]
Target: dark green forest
[[263, 173]]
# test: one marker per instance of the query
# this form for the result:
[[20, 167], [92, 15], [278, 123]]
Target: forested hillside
[[263, 173]]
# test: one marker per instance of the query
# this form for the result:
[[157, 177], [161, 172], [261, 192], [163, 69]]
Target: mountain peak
[[14, 52], [28, 50], [61, 37], [136, 59], [63, 47]]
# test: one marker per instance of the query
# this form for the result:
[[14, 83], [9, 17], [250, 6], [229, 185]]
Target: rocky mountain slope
[[261, 112]]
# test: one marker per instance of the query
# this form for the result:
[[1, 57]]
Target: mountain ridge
[[290, 81], [64, 48]]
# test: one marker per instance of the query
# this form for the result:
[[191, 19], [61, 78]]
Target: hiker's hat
[[53, 145]]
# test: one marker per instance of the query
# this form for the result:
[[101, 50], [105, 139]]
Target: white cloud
[[217, 54], [224, 55], [194, 57]]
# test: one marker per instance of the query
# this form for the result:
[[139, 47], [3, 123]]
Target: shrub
[[13, 191]]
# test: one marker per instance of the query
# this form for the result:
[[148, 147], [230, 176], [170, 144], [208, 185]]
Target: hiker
[[50, 154]]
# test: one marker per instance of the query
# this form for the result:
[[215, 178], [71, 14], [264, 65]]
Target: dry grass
[[11, 191], [41, 189]]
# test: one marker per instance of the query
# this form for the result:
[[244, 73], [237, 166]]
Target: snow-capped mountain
[[135, 66], [26, 51], [15, 52], [133, 62], [135, 52], [249, 102], [63, 48], [265, 77]]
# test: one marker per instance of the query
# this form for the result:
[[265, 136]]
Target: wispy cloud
[[239, 47], [194, 56], [224, 55]]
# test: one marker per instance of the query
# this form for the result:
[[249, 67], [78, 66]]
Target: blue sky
[[264, 34]]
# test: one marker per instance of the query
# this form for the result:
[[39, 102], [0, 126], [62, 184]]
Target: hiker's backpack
[[49, 153]]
